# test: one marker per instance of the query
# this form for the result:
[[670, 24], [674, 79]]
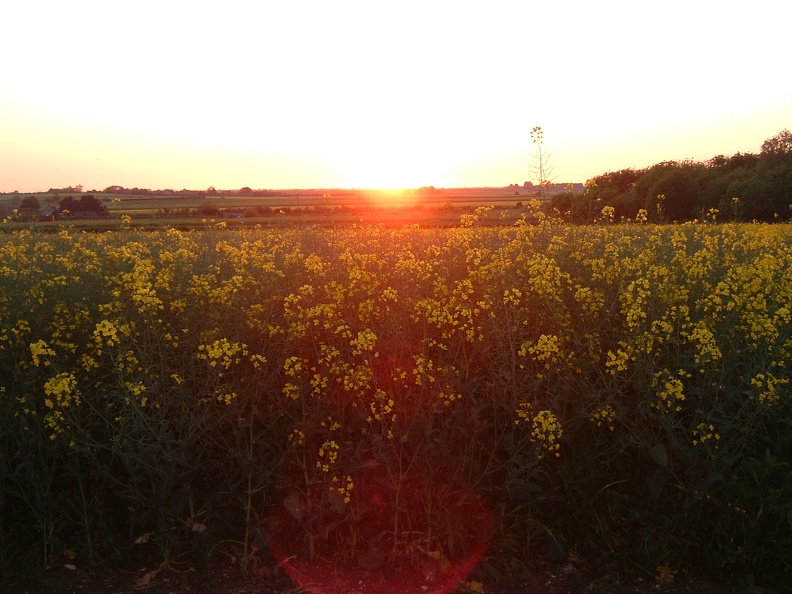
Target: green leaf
[[656, 481], [659, 455]]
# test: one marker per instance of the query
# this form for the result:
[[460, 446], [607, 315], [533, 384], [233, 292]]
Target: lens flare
[[382, 556]]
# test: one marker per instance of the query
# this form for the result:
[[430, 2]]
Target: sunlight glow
[[392, 157], [375, 95]]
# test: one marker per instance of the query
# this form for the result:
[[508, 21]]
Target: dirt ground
[[565, 578]]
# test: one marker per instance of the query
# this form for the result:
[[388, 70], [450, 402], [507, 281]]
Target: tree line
[[85, 205], [745, 186]]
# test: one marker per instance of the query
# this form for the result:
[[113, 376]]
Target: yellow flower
[[707, 350], [669, 390], [38, 350], [331, 424], [344, 490], [390, 294], [226, 397], [617, 361], [61, 392], [293, 366], [524, 413], [512, 297], [766, 385], [328, 454], [222, 352], [365, 342], [135, 388], [604, 416], [297, 437], [705, 432], [546, 350], [547, 431], [62, 387]]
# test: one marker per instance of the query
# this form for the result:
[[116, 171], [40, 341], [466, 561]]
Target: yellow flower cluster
[[448, 397], [545, 349], [62, 388], [107, 332], [546, 429], [328, 455], [705, 432], [547, 432], [331, 424], [61, 393], [707, 351], [365, 342], [376, 328], [226, 397], [512, 297], [344, 489], [524, 413], [38, 350], [390, 294], [135, 388], [423, 371], [138, 285], [607, 214], [605, 416], [669, 390], [767, 387], [222, 352], [617, 361], [292, 366], [297, 437], [381, 407]]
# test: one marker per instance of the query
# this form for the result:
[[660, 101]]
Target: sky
[[377, 93]]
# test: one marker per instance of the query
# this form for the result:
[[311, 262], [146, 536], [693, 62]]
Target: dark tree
[[86, 204], [779, 144], [761, 185], [208, 209], [91, 203], [29, 205]]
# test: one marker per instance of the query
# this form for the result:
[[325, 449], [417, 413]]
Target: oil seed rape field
[[416, 403]]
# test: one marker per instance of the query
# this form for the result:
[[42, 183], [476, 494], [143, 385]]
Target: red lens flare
[[382, 557]]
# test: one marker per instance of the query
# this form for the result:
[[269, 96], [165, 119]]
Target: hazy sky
[[299, 93]]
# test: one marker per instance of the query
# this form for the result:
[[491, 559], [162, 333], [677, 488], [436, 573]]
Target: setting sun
[[391, 164]]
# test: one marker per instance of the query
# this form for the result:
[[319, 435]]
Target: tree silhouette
[[779, 144], [29, 205], [86, 203]]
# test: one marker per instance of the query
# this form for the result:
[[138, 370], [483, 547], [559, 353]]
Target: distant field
[[430, 207]]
